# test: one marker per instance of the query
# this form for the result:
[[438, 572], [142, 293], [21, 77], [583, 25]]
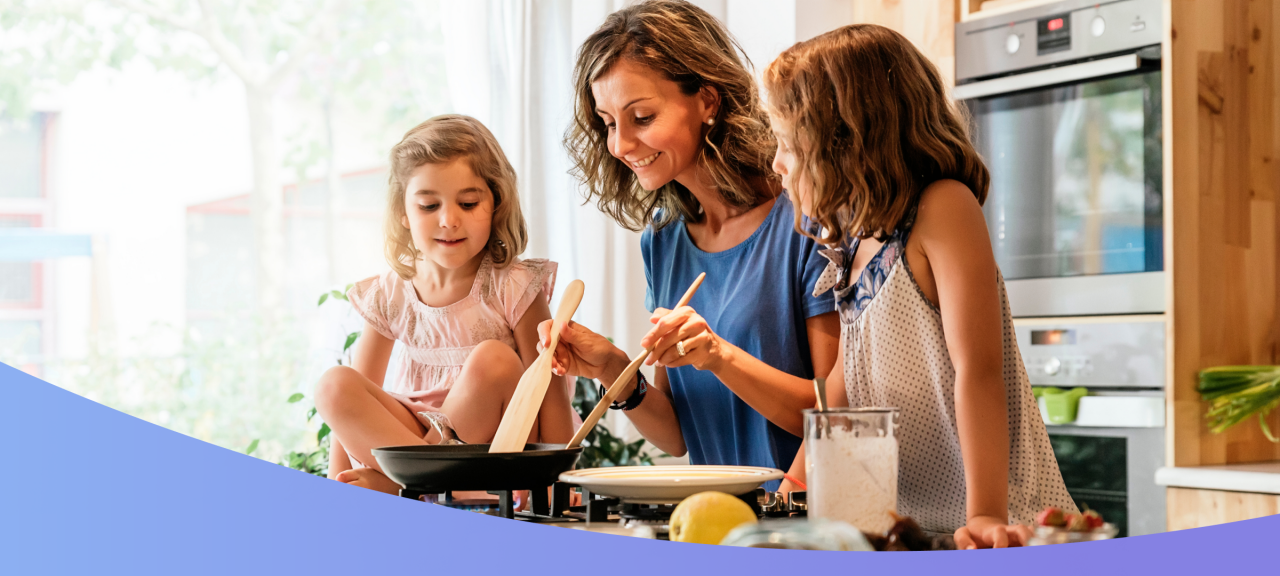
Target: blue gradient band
[[86, 489]]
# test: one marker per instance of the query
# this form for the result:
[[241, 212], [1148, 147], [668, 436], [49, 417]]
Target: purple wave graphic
[[88, 489]]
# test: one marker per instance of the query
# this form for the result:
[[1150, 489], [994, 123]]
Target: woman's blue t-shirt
[[757, 296]]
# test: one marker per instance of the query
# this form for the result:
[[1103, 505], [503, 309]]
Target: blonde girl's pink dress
[[437, 340]]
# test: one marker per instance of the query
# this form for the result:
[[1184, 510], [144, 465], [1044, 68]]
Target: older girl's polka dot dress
[[895, 355]]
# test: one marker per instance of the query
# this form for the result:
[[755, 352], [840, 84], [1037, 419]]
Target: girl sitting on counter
[[871, 148], [462, 303]]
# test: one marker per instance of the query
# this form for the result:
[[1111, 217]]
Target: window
[[21, 283], [22, 157], [25, 310]]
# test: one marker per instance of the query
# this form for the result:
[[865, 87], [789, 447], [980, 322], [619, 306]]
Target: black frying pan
[[439, 468]]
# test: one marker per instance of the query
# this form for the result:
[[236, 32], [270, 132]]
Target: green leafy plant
[[316, 460], [1235, 393], [600, 448]]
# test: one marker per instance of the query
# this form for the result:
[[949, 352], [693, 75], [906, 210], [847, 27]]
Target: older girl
[[871, 148], [464, 306]]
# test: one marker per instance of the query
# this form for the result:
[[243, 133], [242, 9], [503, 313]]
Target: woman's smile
[[643, 162]]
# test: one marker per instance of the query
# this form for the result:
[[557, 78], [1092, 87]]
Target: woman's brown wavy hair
[[691, 48], [440, 140], [872, 126]]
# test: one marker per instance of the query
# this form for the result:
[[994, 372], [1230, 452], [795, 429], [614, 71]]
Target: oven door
[[1075, 203], [1113, 471]]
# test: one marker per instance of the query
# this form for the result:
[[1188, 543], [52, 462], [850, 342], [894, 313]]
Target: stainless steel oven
[[1110, 452], [1065, 104]]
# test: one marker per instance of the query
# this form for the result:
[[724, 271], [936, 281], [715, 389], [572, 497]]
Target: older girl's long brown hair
[[691, 48], [872, 127]]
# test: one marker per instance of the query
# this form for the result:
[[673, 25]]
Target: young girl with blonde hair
[[458, 299], [872, 149]]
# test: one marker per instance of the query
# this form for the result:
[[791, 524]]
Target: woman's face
[[652, 126], [795, 181], [449, 212]]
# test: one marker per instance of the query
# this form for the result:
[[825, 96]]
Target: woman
[[669, 135]]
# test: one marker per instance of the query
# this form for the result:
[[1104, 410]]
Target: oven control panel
[[1053, 33], [1098, 353]]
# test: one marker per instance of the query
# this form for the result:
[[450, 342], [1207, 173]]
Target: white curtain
[[509, 64]]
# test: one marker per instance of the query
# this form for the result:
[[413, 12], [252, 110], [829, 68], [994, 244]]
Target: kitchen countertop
[[1260, 477]]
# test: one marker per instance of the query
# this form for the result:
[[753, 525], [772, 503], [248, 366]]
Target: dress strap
[[839, 265]]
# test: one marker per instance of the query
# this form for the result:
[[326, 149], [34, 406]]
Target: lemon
[[706, 517]]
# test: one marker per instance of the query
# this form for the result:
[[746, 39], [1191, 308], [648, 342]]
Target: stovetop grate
[[557, 510]]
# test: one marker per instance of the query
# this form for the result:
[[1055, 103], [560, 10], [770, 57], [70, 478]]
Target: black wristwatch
[[636, 397]]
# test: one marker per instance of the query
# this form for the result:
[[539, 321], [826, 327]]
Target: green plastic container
[[1061, 405]]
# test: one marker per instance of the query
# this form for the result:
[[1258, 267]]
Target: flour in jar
[[854, 479]]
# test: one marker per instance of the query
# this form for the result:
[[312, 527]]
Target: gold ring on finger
[[680, 348]]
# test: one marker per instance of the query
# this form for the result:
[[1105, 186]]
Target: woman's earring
[[711, 121]]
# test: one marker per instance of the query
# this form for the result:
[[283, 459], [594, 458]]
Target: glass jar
[[851, 466]]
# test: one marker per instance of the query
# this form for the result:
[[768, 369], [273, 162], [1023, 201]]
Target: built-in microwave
[[1065, 104]]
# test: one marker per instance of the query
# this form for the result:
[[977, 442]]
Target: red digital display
[[1055, 24]]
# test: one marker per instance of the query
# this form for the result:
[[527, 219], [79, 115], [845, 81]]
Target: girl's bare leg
[[482, 391], [364, 415]]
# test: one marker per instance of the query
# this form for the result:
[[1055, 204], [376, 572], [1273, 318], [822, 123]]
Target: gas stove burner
[[541, 509], [486, 508], [656, 517], [647, 512], [593, 509]]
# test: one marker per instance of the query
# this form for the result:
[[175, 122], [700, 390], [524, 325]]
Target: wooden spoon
[[612, 394], [517, 421], [820, 389]]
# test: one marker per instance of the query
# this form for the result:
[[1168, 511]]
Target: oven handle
[[1062, 75]]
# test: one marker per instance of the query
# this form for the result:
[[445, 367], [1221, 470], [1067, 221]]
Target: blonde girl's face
[[449, 212], [654, 127], [785, 164]]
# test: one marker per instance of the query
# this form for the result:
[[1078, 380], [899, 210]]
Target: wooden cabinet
[[929, 24], [1222, 171], [1192, 508], [1222, 143], [1222, 168]]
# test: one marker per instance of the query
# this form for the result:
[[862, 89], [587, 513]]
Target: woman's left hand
[[703, 349], [991, 532]]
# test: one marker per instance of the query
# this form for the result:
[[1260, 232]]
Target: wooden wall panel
[[929, 24], [1221, 141], [1190, 508]]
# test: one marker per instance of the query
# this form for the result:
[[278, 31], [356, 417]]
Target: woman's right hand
[[581, 352]]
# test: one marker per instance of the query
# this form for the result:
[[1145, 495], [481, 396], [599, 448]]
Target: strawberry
[[1077, 523], [1051, 516], [1093, 519]]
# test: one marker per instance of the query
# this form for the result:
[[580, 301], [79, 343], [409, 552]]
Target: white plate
[[669, 484]]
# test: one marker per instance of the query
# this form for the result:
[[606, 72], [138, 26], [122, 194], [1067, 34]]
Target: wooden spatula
[[517, 421], [612, 394]]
